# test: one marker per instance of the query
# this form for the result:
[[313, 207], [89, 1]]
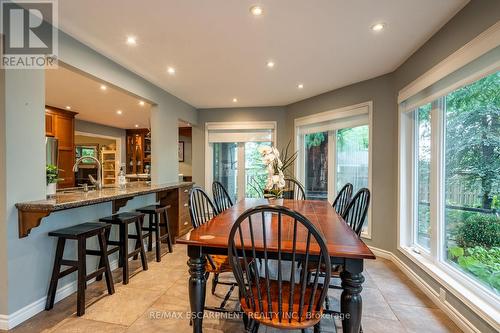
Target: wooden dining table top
[[341, 241]]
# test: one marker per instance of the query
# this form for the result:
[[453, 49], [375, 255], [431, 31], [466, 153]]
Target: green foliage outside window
[[472, 150]]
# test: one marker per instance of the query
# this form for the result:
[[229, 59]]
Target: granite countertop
[[76, 199]]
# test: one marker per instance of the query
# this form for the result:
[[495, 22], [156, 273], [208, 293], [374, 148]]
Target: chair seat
[[152, 209], [84, 229], [221, 263], [290, 320], [125, 217]]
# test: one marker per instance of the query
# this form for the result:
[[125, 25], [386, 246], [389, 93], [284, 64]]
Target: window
[[316, 165], [233, 158], [352, 157], [451, 196], [472, 180], [334, 149], [422, 175], [225, 166]]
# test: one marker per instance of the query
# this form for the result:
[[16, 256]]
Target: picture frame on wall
[[181, 151]]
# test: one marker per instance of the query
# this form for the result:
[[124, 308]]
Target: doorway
[[233, 158]]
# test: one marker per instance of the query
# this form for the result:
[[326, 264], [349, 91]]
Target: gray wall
[[88, 127], [473, 19], [30, 259], [384, 154], [277, 114]]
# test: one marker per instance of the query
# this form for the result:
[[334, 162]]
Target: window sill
[[483, 304]]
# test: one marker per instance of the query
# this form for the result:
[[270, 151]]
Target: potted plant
[[52, 179]]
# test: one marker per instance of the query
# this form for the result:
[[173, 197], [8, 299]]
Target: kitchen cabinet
[[50, 124], [109, 167], [178, 211], [138, 151], [60, 124]]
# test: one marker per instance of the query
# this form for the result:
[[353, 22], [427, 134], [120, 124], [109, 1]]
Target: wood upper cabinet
[[138, 151], [61, 125], [65, 132], [50, 124]]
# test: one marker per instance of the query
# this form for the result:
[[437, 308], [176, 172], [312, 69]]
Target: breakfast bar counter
[[31, 213]]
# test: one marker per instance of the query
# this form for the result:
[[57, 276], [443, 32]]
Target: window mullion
[[414, 179], [436, 176], [241, 183], [332, 156]]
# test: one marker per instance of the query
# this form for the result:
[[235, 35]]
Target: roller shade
[[484, 65], [241, 132], [350, 118]]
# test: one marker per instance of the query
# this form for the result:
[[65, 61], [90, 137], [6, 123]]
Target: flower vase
[[51, 190], [274, 193]]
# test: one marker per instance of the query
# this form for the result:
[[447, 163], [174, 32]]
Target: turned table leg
[[197, 286], [350, 302]]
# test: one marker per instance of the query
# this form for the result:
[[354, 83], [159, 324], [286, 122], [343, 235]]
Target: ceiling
[[66, 87], [220, 50]]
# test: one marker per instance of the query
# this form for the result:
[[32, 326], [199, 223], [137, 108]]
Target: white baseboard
[[10, 321], [462, 322]]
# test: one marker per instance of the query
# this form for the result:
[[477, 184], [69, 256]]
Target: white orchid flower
[[268, 159], [265, 150]]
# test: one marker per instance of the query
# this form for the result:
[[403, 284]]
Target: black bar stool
[[158, 217], [123, 220], [80, 233]]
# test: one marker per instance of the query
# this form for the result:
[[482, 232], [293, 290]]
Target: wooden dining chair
[[355, 213], [343, 198], [276, 292], [221, 197], [294, 190], [202, 210]]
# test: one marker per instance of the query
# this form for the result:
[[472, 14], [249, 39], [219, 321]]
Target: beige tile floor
[[392, 303]]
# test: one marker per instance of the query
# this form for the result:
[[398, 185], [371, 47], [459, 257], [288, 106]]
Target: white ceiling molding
[[486, 41]]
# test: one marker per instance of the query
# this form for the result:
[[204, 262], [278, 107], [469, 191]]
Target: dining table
[[345, 248]]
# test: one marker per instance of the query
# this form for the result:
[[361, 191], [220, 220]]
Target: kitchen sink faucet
[[98, 182]]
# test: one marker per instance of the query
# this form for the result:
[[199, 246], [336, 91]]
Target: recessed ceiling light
[[256, 10], [270, 64], [300, 86], [171, 70], [68, 107], [119, 111], [378, 27], [136, 126], [235, 100], [141, 103], [131, 40], [103, 87]]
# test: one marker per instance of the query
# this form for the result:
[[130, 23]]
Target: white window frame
[[472, 293], [433, 262], [233, 125], [346, 117]]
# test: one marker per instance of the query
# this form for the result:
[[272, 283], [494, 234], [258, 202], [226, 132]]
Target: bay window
[[450, 179]]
